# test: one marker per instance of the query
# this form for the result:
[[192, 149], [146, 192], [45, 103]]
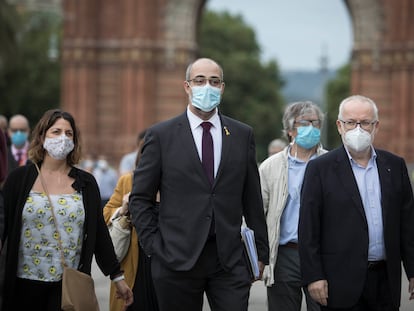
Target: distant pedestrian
[[136, 265], [19, 131], [275, 146], [127, 163], [106, 177], [3, 175]]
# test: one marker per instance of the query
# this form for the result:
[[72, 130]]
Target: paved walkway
[[257, 295]]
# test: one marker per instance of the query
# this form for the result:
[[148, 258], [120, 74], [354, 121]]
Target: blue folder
[[250, 246]]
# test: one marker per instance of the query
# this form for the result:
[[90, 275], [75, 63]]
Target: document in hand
[[250, 246]]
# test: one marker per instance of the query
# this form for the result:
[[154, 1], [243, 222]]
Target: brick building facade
[[383, 68], [123, 64]]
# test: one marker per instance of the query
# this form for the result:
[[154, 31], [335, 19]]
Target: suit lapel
[[347, 178], [226, 143], [384, 172], [187, 143]]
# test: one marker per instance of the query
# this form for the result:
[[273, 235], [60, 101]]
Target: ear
[[292, 134], [376, 126], [339, 127], [222, 88], [187, 87]]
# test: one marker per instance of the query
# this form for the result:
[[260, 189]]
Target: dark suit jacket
[[333, 230], [170, 164], [11, 161], [3, 174]]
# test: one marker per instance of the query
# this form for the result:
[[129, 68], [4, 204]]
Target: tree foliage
[[31, 83], [252, 88], [7, 34], [336, 90]]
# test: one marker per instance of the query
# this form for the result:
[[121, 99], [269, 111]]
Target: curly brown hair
[[36, 150]]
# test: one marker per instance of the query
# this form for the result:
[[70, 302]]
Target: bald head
[[203, 62], [358, 102], [19, 121], [18, 130]]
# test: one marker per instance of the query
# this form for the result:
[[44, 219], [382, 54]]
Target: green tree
[[31, 83], [252, 91], [7, 34], [336, 90]]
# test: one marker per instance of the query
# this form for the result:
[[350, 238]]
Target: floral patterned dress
[[39, 252]]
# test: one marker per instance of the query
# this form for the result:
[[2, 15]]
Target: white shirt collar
[[195, 121]]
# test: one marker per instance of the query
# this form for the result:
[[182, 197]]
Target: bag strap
[[42, 181]]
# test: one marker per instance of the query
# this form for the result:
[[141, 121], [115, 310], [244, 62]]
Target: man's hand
[[319, 291], [261, 268]]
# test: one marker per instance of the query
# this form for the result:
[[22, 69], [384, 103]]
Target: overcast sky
[[296, 32]]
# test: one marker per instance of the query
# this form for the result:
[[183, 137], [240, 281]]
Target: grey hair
[[358, 98], [297, 109], [190, 67]]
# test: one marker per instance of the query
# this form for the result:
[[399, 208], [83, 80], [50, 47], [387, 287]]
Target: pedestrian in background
[[19, 131], [203, 164], [4, 125], [356, 219], [136, 265], [106, 177], [33, 258], [127, 163], [281, 177], [275, 146], [3, 174]]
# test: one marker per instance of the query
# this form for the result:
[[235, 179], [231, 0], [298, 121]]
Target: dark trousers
[[145, 298], [36, 295], [184, 290], [376, 295], [287, 291]]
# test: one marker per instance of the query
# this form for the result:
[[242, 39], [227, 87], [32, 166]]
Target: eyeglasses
[[364, 124], [315, 123], [201, 81]]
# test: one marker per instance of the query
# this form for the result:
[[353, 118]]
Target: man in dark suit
[[207, 179], [3, 174], [357, 219], [19, 137]]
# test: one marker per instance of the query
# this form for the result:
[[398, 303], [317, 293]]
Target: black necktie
[[207, 154]]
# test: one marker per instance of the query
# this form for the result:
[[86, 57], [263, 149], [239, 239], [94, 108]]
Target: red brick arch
[[383, 68], [123, 64]]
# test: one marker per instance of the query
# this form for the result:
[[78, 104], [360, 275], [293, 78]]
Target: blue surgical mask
[[19, 138], [308, 136], [206, 97]]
